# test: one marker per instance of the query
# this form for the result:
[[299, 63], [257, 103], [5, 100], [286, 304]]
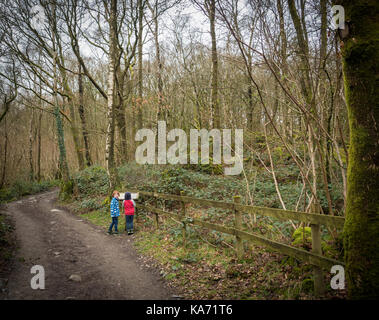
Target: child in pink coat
[[129, 209]]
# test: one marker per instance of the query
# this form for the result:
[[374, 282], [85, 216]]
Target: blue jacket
[[115, 209]]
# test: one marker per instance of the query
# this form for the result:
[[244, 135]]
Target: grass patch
[[100, 217]]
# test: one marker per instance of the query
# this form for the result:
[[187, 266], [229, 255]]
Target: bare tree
[[209, 8]]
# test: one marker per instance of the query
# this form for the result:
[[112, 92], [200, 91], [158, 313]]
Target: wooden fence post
[[316, 248], [136, 217], [238, 225], [183, 216], [156, 219]]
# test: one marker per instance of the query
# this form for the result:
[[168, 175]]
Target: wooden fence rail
[[313, 218], [316, 220]]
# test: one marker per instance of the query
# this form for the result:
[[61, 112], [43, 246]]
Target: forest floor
[[104, 266]]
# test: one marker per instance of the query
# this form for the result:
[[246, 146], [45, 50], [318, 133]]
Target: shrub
[[91, 181], [302, 237], [90, 204]]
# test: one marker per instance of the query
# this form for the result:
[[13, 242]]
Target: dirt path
[[65, 245]]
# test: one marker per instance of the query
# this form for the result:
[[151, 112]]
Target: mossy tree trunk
[[122, 93], [39, 146], [31, 166], [75, 134], [216, 112], [83, 118], [2, 181], [360, 58], [63, 166]]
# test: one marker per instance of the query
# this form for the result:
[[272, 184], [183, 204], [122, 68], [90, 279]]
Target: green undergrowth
[[24, 188], [5, 229], [7, 246], [206, 266], [256, 188]]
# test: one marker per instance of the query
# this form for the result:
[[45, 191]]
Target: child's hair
[[128, 196], [115, 192]]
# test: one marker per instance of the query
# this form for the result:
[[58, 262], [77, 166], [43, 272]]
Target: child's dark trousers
[[114, 223], [129, 222]]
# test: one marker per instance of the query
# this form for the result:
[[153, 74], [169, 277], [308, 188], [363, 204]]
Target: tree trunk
[[286, 112], [121, 124], [360, 58], [283, 38], [216, 114], [109, 148], [39, 147], [120, 115], [304, 50], [31, 167], [39, 129], [140, 57], [306, 88], [250, 98], [60, 134], [162, 115], [75, 134], [325, 111], [5, 154], [83, 119], [63, 166]]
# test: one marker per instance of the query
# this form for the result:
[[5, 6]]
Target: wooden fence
[[315, 220]]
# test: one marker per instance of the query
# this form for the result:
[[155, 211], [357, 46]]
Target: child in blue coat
[[115, 212]]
